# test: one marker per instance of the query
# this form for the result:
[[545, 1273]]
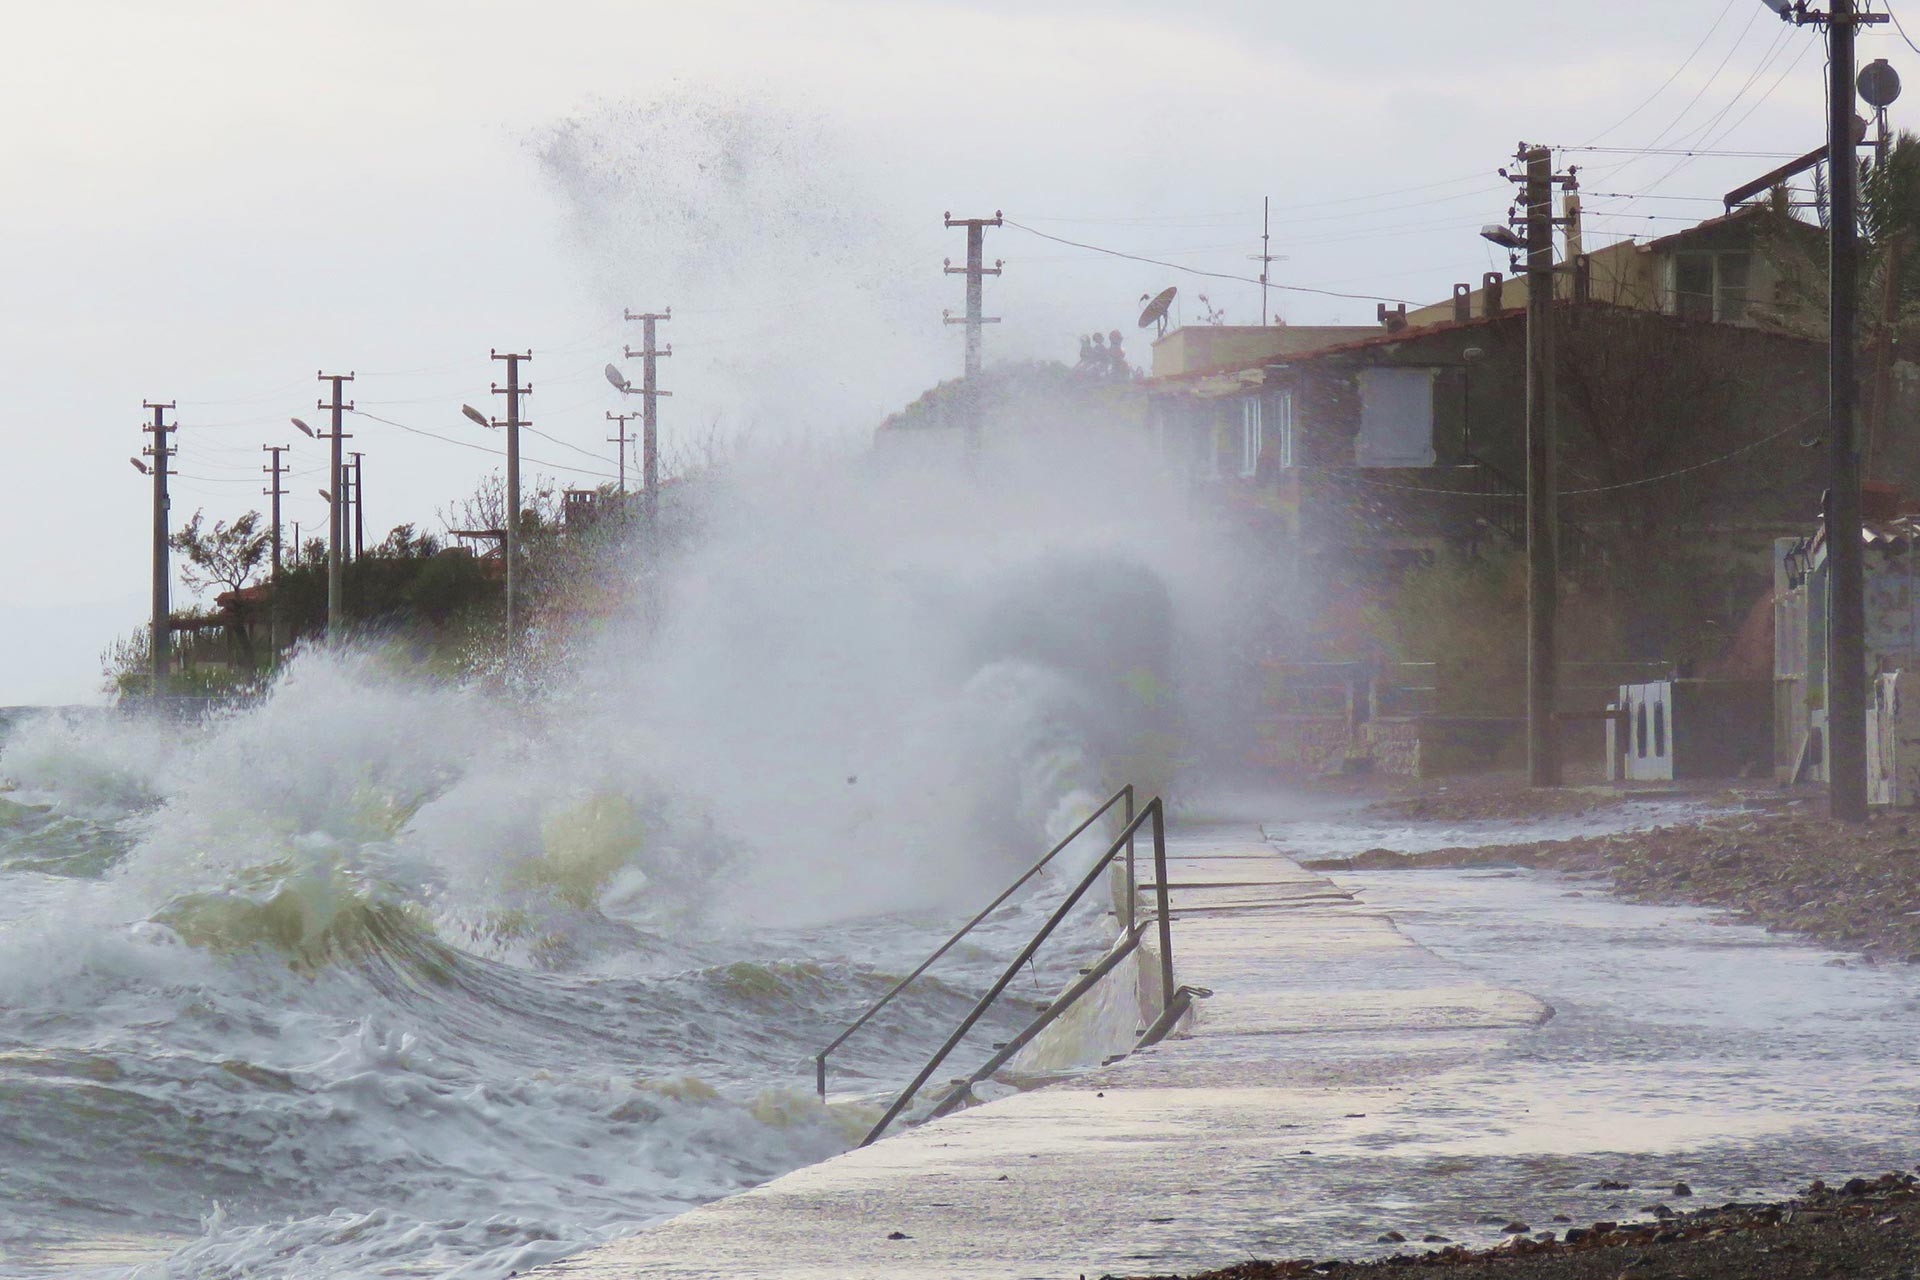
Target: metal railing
[[1123, 796], [1173, 1002]]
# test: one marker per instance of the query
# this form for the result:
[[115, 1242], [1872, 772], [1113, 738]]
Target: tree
[[227, 555], [404, 542], [1887, 306], [486, 507]]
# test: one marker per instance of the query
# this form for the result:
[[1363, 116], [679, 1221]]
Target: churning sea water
[[390, 978]]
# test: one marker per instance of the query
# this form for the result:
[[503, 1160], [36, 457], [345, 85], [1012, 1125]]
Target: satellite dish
[[476, 415], [305, 429], [1879, 84], [1156, 311], [618, 379]]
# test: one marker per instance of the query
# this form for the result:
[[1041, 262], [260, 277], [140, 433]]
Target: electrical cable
[[1751, 445], [1655, 144], [1645, 102], [1217, 275], [563, 443], [468, 444], [1773, 52], [1641, 195], [1897, 27], [1687, 151], [1779, 80]]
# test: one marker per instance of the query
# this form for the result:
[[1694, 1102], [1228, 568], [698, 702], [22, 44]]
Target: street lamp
[[476, 415], [1503, 235], [304, 429]]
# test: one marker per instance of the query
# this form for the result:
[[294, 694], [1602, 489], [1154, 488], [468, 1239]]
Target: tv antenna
[[1265, 258]]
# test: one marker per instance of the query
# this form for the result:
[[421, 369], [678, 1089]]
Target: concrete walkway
[[1170, 1159]]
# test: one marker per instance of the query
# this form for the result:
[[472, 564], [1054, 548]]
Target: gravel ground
[[1864, 1230]]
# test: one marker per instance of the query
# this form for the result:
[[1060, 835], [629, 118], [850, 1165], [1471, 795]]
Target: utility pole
[[278, 470], [1543, 491], [1575, 234], [1846, 627], [976, 271], [650, 352], [359, 507], [336, 514], [511, 548], [622, 439], [1847, 673], [161, 637]]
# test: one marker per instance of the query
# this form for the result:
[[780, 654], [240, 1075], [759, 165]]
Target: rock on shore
[[1864, 1230]]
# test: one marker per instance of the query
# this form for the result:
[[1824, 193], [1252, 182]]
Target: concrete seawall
[[1322, 1011]]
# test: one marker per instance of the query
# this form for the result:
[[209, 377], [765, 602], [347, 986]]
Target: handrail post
[[820, 1073], [1166, 922], [1133, 890]]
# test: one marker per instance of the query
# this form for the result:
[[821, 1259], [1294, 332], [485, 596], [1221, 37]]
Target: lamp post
[[1846, 611]]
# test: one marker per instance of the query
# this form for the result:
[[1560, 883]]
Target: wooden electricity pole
[[650, 353], [511, 540], [336, 513], [622, 440], [359, 508], [1846, 588], [1847, 674], [161, 624], [1538, 180], [276, 605], [976, 271]]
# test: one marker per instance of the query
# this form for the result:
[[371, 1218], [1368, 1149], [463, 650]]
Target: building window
[[1711, 286], [1730, 287], [1396, 418], [1659, 728], [1280, 428], [1218, 439], [1250, 435], [1640, 731]]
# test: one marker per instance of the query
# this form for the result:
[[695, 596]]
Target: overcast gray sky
[[209, 202]]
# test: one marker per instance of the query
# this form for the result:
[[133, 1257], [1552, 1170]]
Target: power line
[[562, 443], [1902, 30], [1749, 447], [1701, 93], [1778, 81], [469, 444], [1196, 271], [1648, 100], [1687, 151], [1642, 195], [1773, 52]]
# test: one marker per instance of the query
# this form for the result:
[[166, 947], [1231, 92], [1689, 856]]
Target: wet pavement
[[1437, 1053]]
